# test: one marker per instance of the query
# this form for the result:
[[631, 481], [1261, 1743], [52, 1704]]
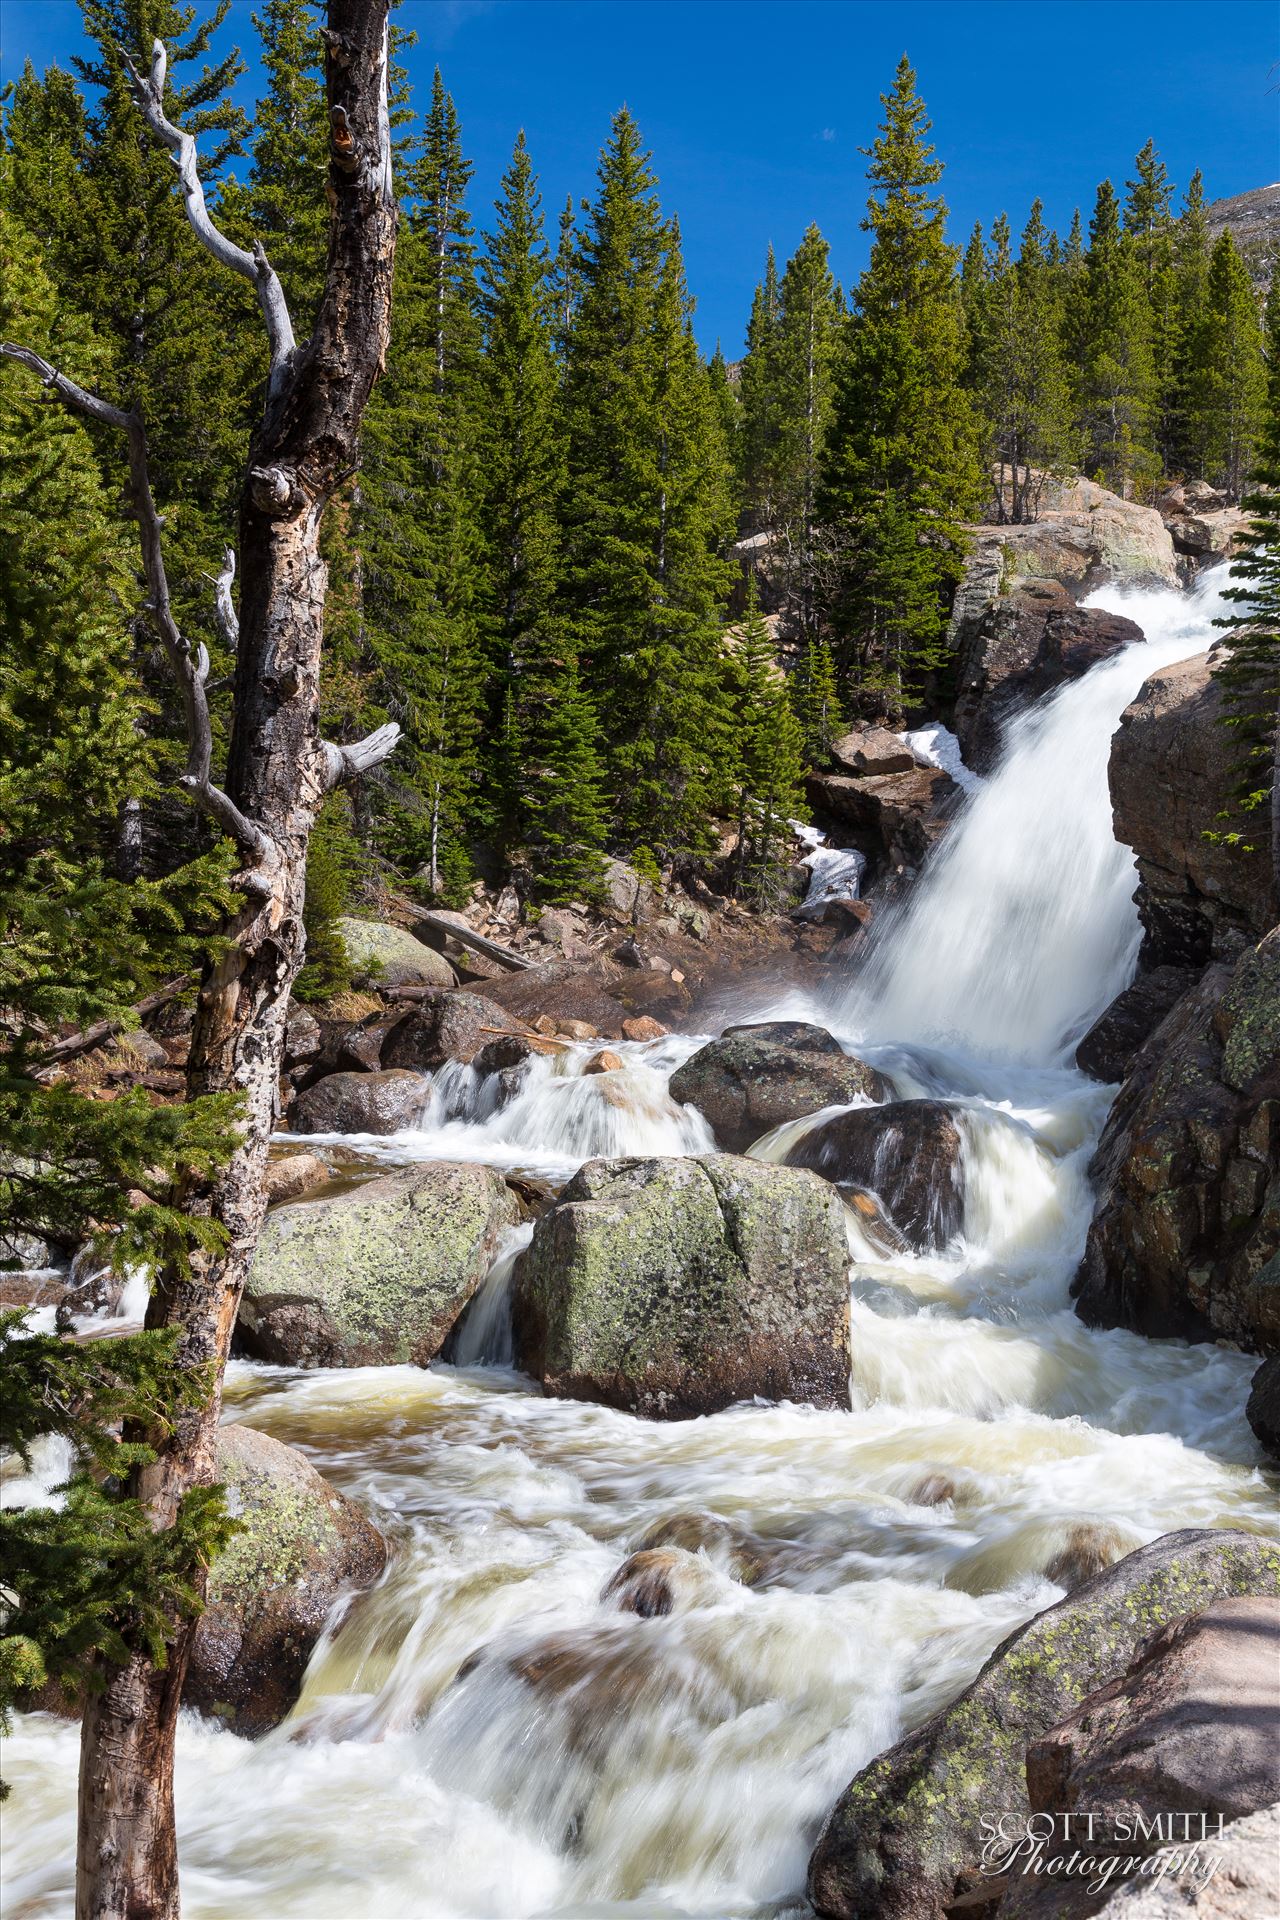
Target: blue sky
[[755, 109]]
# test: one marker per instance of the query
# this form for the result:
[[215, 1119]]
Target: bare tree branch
[[346, 763], [254, 267], [224, 606], [191, 669]]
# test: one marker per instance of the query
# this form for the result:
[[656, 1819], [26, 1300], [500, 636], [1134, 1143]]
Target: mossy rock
[[385, 956], [302, 1547], [676, 1287], [377, 1275], [753, 1079], [905, 1838]]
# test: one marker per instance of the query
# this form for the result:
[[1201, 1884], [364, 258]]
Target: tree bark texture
[[279, 770]]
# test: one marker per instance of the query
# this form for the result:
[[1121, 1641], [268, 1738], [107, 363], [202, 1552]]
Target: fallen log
[[478, 942], [93, 1036]]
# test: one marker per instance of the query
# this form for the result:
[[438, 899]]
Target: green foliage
[[1117, 381], [88, 1576], [335, 862], [1248, 665], [815, 700], [769, 775], [1226, 382], [758, 390], [901, 470]]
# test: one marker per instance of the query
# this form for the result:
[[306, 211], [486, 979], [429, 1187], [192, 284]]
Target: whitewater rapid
[[681, 1765]]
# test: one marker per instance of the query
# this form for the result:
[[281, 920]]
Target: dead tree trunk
[[279, 770]]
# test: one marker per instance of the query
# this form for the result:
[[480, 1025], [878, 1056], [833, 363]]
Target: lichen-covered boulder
[[909, 1154], [905, 1839], [677, 1287], [301, 1548], [754, 1078], [380, 1103], [377, 1275], [385, 956]]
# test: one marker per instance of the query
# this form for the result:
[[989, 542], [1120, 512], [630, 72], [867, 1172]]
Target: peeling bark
[[279, 770]]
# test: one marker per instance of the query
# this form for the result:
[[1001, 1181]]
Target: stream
[[680, 1766]]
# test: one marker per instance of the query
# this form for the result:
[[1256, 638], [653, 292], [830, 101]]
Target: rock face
[[1170, 771], [378, 1274], [361, 1102], [445, 1026], [1028, 645], [677, 1287], [1185, 1239], [905, 1839], [303, 1546], [388, 956], [1243, 1886], [755, 1078], [1116, 1037], [894, 818], [1189, 1728], [294, 1175], [872, 750], [559, 991], [909, 1154], [1262, 1409]]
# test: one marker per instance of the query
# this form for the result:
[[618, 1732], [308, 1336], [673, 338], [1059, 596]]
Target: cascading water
[[482, 1735]]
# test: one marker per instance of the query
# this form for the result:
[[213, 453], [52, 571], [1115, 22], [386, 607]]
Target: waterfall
[[1023, 928]]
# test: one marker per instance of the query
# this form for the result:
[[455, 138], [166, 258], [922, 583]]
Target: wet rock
[[1189, 1729], [658, 1581], [1114, 1040], [754, 1078], [739, 1552], [1059, 644], [359, 1049], [644, 1027], [894, 818], [676, 1287], [871, 750], [446, 1026], [1262, 1409], [381, 1102], [904, 1840], [303, 1547], [604, 1062], [1172, 765], [294, 1175], [38, 1287], [1088, 1548], [562, 992], [386, 956], [506, 1054], [378, 1274], [1185, 1237], [909, 1154]]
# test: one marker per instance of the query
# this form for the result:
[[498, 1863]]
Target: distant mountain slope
[[1254, 221]]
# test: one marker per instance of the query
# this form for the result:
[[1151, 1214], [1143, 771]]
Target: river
[[680, 1766]]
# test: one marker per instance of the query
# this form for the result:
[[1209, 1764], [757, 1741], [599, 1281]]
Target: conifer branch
[[254, 267], [190, 666]]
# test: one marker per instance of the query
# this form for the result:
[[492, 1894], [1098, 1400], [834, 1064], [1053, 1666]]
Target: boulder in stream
[[909, 1154], [676, 1287], [378, 1103], [378, 1274], [905, 1839], [754, 1078], [302, 1546], [446, 1026]]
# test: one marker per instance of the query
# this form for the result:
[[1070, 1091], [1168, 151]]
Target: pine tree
[[810, 311], [1147, 215], [1226, 381], [973, 282], [770, 770], [815, 700], [643, 517], [726, 411], [1118, 379], [548, 767], [1248, 665], [1018, 375], [758, 389], [1180, 307], [282, 203], [902, 470], [419, 523]]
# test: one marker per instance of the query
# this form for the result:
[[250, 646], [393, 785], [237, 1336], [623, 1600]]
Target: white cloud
[[828, 133]]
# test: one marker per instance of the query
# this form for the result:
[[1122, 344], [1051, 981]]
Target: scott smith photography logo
[[1104, 1849]]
